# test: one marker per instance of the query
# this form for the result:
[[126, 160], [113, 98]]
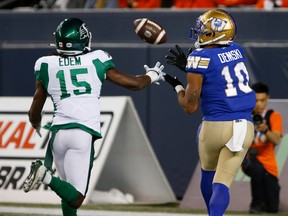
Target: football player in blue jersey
[[218, 79]]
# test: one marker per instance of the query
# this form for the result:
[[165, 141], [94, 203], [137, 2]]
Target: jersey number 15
[[84, 86]]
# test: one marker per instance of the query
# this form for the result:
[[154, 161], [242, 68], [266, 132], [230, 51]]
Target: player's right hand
[[156, 73], [179, 58]]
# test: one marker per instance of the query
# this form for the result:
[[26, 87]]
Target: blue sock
[[206, 186], [219, 200]]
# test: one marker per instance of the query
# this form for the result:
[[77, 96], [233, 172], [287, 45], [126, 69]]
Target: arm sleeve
[[103, 63], [41, 72]]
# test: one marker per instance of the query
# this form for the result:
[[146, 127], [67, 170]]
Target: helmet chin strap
[[89, 44], [197, 44], [87, 49]]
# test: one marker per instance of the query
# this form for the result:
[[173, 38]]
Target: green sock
[[64, 190], [67, 210]]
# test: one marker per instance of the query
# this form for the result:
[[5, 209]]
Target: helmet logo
[[68, 45], [84, 33], [218, 24]]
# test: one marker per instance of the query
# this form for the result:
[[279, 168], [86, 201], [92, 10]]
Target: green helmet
[[72, 37]]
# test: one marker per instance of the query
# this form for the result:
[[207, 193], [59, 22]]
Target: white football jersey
[[74, 84]]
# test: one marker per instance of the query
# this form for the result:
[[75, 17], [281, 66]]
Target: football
[[150, 31]]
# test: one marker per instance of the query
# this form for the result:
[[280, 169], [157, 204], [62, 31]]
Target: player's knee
[[78, 202]]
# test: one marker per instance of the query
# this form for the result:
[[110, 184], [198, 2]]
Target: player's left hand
[[179, 58], [39, 126], [156, 73]]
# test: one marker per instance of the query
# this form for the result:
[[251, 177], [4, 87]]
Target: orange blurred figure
[[194, 4], [231, 3], [139, 4], [265, 4]]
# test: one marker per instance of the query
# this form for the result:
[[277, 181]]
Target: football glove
[[174, 82], [156, 74], [179, 58]]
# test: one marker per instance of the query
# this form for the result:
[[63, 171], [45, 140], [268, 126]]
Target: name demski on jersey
[[230, 56]]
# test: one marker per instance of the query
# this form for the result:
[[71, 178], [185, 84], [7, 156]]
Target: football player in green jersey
[[73, 78]]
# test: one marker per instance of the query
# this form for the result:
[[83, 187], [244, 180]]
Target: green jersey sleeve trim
[[102, 68], [42, 75]]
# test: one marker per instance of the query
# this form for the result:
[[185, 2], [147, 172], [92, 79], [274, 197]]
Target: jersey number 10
[[231, 90]]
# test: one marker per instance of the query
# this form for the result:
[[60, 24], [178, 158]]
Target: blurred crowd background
[[142, 4]]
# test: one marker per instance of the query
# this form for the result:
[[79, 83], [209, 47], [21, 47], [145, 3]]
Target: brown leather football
[[150, 31]]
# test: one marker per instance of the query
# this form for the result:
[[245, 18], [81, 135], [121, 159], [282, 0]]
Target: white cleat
[[37, 173]]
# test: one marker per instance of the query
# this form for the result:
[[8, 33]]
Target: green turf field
[[160, 208]]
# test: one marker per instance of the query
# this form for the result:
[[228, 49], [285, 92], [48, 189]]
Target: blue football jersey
[[226, 94]]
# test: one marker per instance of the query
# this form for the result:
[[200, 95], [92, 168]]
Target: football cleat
[[37, 173]]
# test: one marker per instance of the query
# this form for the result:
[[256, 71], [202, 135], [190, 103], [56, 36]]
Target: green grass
[[168, 208]]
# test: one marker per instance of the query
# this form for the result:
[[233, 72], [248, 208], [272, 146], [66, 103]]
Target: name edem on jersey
[[70, 61], [202, 62]]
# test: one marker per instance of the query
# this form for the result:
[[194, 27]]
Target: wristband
[[153, 76], [179, 88]]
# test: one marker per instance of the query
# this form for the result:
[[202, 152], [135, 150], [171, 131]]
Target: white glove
[[155, 73]]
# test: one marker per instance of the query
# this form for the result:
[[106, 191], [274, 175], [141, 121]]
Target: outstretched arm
[[188, 98], [136, 82], [128, 81]]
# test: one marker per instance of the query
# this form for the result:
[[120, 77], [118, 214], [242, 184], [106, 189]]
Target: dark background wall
[[24, 37]]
